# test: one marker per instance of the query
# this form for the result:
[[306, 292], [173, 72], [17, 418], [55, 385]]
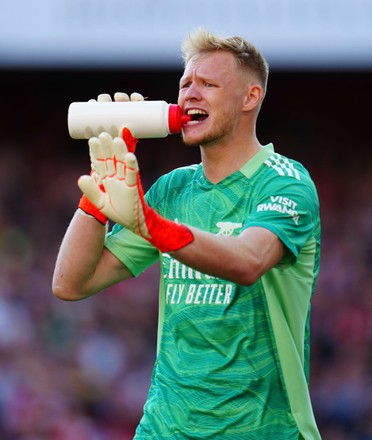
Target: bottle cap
[[176, 119]]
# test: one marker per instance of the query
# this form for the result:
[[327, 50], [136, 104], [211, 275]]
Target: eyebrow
[[203, 77]]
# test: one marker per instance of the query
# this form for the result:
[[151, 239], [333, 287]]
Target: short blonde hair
[[246, 54]]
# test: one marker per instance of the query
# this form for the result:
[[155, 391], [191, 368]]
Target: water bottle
[[145, 119]]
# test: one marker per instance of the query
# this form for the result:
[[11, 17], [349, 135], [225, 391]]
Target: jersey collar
[[250, 167]]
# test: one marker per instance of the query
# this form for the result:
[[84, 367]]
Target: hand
[[118, 97], [115, 189], [85, 203], [114, 186]]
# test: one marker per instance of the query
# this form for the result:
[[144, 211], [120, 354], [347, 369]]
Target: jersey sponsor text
[[281, 204], [198, 293]]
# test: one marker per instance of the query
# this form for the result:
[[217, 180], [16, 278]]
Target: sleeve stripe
[[282, 166]]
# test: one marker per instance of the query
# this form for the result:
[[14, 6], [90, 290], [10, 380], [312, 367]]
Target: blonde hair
[[246, 54]]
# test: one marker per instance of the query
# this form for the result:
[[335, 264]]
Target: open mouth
[[197, 116]]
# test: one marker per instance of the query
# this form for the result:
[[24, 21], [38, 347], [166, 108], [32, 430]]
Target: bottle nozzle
[[176, 119], [185, 119]]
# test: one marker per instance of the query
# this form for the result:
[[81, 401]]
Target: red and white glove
[[85, 204], [115, 190]]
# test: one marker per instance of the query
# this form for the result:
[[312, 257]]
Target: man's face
[[212, 90]]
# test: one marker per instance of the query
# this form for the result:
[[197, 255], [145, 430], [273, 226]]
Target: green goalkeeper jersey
[[232, 360]]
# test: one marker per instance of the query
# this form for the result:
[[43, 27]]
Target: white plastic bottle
[[145, 119]]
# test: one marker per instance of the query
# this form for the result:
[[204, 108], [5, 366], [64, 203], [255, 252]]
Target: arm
[[241, 259], [83, 265], [118, 194]]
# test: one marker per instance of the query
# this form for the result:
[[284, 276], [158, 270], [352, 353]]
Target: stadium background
[[81, 370]]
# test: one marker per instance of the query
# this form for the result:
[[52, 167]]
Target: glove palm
[[114, 186]]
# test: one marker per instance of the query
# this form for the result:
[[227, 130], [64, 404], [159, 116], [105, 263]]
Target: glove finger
[[104, 97], [92, 151], [95, 149], [136, 97], [97, 179], [120, 150], [105, 140], [121, 97], [129, 139], [96, 156], [91, 189], [132, 169]]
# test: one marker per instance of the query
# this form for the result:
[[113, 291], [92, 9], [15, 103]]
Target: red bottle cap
[[176, 119]]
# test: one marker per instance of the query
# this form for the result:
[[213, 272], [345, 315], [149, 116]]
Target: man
[[238, 240]]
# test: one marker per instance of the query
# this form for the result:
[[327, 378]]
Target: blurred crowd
[[81, 371]]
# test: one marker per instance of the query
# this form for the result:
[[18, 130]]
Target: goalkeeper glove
[[85, 204], [116, 190]]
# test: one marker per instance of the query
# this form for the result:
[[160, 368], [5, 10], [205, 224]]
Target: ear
[[253, 97]]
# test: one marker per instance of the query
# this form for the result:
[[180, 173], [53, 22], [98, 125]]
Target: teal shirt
[[232, 360]]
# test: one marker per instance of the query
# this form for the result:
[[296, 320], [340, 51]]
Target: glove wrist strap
[[165, 234], [87, 206]]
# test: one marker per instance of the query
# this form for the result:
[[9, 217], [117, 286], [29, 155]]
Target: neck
[[220, 160]]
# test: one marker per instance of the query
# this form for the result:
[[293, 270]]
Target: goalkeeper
[[238, 239]]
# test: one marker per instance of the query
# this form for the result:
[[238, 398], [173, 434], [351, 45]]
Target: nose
[[192, 93]]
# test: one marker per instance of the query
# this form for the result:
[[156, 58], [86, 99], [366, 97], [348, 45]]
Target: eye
[[207, 84], [185, 85]]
